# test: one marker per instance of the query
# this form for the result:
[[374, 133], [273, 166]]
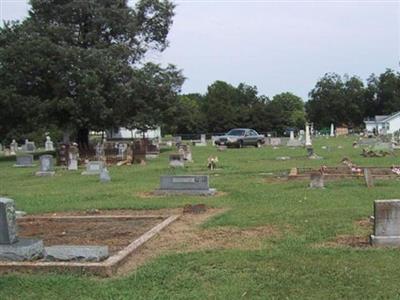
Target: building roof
[[382, 118]]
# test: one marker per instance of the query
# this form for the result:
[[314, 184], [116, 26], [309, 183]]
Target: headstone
[[317, 180], [24, 161], [188, 184], [369, 180], [105, 175], [275, 141], [386, 223], [73, 158], [76, 253], [291, 135], [177, 140], [8, 223], [332, 130], [1, 147], [203, 141], [176, 161], [29, 146], [7, 152], [310, 151], [93, 168], [308, 137], [13, 147], [49, 146], [122, 151], [213, 140], [11, 247], [100, 152], [46, 166]]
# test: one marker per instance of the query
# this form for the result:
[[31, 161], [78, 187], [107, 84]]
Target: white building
[[123, 133], [383, 124]]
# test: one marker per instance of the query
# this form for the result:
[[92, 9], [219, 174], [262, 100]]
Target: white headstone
[[291, 135], [49, 146], [332, 130], [308, 137]]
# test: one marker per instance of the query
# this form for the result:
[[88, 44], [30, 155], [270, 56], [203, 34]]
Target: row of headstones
[[317, 179], [47, 166], [27, 147]]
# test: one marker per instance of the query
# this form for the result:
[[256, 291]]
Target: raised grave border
[[106, 268]]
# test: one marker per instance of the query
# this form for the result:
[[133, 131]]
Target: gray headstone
[[46, 166], [275, 141], [317, 181], [93, 168], [105, 175], [188, 184], [30, 147], [8, 223], [25, 160], [386, 223], [76, 253], [369, 180]]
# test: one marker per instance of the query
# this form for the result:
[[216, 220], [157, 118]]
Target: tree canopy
[[76, 64]]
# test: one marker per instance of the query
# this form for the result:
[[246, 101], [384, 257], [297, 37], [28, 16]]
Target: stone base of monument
[[23, 250], [76, 253], [24, 166], [385, 241], [45, 173], [209, 192]]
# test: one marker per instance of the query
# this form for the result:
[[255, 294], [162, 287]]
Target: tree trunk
[[83, 138]]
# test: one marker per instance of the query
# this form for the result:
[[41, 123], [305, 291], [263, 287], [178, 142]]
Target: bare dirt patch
[[363, 226], [187, 235], [115, 233]]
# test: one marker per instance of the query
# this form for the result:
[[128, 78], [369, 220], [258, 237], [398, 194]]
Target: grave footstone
[[93, 168], [317, 181], [46, 166], [187, 184], [24, 161], [369, 180], [386, 223], [12, 247]]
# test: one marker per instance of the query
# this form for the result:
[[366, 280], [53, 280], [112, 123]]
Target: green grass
[[287, 268]]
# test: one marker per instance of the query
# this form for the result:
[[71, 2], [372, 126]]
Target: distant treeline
[[334, 99]]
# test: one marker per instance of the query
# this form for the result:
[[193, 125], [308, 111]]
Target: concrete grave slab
[[76, 253]]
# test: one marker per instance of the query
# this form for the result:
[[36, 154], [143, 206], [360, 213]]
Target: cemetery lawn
[[310, 257]]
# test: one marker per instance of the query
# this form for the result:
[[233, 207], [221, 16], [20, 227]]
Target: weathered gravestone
[[187, 184], [29, 146], [275, 141], [105, 175], [73, 157], [24, 161], [176, 161], [46, 166], [369, 180], [93, 168], [317, 180], [386, 223], [49, 145], [13, 147], [11, 247]]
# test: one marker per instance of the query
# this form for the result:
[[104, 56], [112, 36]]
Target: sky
[[278, 46]]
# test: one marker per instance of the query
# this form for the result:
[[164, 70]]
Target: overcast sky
[[276, 45]]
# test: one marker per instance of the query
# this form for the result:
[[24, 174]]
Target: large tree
[[71, 62]]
